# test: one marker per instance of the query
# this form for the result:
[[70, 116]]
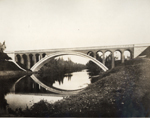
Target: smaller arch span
[[44, 60], [117, 54], [127, 54], [90, 53]]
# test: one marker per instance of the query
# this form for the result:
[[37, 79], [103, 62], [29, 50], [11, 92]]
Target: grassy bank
[[9, 70], [8, 66], [121, 92]]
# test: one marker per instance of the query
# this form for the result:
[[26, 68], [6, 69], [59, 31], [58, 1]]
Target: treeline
[[56, 69], [93, 69]]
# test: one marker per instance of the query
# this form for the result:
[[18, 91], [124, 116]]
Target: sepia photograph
[[74, 58]]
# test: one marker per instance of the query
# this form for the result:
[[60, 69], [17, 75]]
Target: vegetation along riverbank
[[56, 69], [9, 69], [121, 92]]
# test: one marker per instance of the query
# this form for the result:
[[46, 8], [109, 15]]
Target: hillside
[[7, 66], [121, 92]]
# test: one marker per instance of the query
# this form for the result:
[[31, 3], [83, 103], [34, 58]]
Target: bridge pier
[[16, 59], [112, 60], [34, 59], [28, 64], [22, 60], [103, 58], [122, 57]]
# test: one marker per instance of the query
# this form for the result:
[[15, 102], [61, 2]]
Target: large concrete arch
[[44, 60], [39, 64]]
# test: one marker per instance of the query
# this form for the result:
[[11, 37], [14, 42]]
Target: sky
[[50, 24], [74, 58]]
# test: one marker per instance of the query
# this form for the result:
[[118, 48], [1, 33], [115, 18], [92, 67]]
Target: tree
[[3, 56], [2, 47]]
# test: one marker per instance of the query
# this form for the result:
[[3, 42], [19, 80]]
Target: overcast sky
[[48, 24]]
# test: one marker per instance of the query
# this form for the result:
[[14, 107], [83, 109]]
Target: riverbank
[[11, 74], [9, 69], [121, 92]]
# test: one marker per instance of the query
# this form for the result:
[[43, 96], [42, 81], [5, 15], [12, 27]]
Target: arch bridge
[[29, 58]]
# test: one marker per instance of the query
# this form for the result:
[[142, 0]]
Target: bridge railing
[[75, 48]]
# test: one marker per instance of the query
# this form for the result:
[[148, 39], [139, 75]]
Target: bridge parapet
[[76, 49]]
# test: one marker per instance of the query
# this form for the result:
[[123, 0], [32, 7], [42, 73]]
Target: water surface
[[24, 92]]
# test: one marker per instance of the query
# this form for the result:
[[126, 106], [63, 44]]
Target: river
[[24, 92]]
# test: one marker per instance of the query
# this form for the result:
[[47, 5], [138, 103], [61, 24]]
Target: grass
[[121, 92]]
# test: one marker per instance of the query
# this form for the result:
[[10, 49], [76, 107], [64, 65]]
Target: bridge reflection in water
[[25, 91], [68, 84], [26, 85]]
